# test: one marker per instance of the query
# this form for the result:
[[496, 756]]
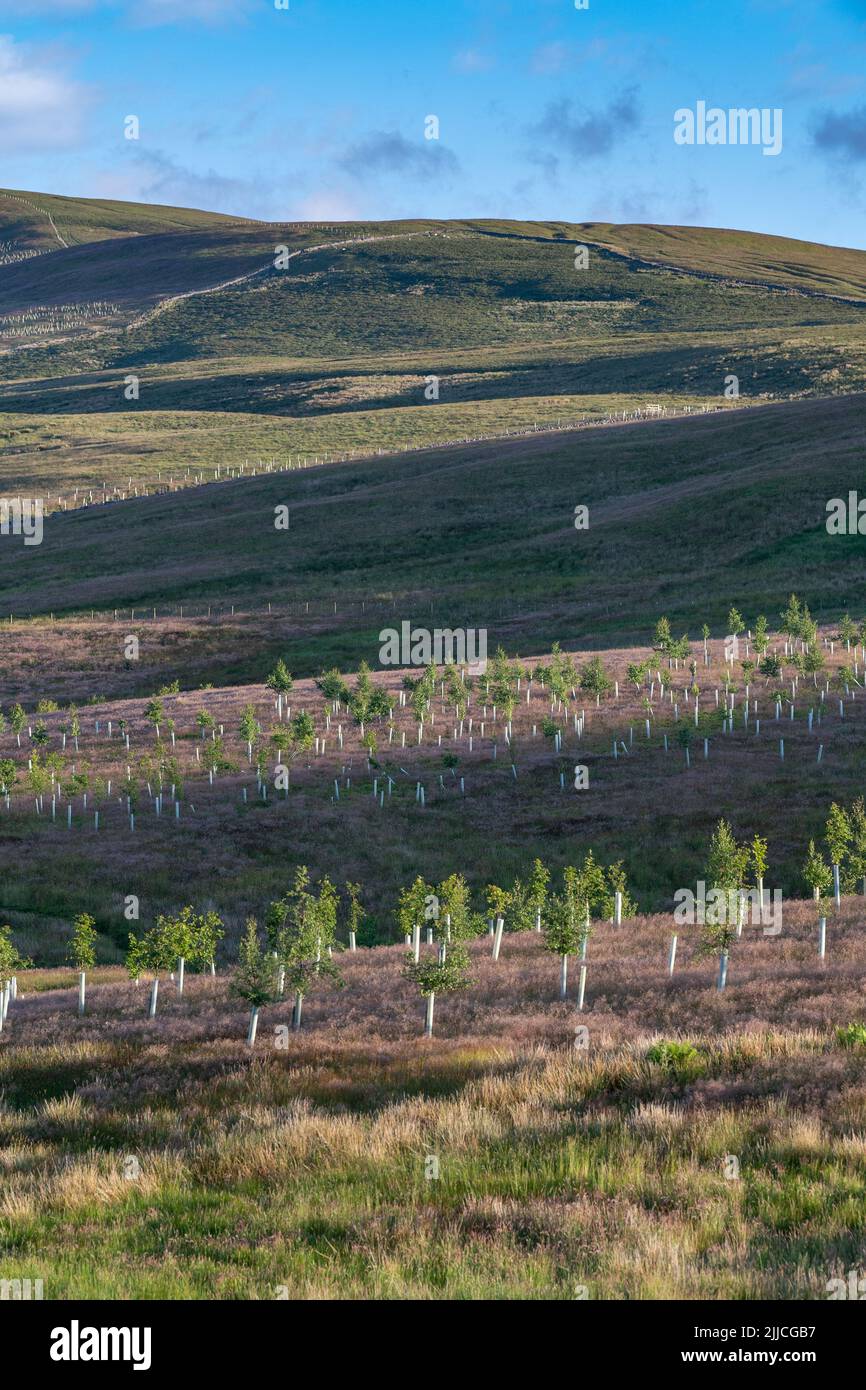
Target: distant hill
[[167, 286], [506, 280], [240, 358], [751, 256], [45, 220]]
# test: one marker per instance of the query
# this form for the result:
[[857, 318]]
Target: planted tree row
[[437, 922]]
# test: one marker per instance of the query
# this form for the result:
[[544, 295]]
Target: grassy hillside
[[135, 272], [76, 220], [54, 456], [458, 290], [750, 256], [770, 363], [107, 284], [686, 516], [110, 262]]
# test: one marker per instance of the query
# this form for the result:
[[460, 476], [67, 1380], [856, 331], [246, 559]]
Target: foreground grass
[[499, 1160], [556, 1175]]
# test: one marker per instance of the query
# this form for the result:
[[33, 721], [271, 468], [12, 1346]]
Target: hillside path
[[174, 299]]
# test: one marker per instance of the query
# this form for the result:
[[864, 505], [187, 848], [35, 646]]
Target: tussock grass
[[558, 1170]]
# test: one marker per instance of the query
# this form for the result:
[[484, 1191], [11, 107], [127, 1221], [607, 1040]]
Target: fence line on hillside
[[90, 497]]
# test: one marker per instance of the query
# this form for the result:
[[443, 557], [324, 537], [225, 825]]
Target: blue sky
[[544, 110]]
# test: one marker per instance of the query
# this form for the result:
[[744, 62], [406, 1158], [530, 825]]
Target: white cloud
[[328, 205], [472, 60], [158, 12], [551, 58], [139, 12], [43, 8], [40, 107]]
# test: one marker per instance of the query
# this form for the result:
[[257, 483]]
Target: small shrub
[[675, 1056]]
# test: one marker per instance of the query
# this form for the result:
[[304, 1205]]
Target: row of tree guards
[[500, 693], [438, 922]]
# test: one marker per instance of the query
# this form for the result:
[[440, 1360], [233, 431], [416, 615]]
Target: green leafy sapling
[[301, 932], [255, 979], [817, 873], [566, 923], [280, 680], [539, 881], [837, 834], [250, 729], [154, 713], [758, 862], [82, 951], [17, 720], [355, 914], [725, 873], [157, 952], [11, 965], [443, 973]]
